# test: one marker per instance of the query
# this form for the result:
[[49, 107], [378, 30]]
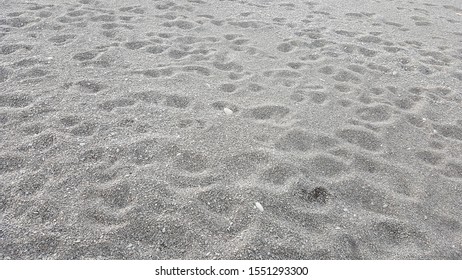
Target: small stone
[[259, 206], [227, 111]]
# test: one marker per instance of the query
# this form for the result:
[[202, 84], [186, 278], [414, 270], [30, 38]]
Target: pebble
[[259, 206], [228, 111]]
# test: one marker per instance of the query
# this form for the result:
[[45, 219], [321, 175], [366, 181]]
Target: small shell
[[259, 206], [227, 111]]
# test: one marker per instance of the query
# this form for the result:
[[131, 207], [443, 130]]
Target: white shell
[[259, 206], [227, 111]]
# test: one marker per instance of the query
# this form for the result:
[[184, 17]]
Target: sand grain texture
[[251, 129]]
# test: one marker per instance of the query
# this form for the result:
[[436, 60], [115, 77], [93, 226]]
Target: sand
[[251, 129]]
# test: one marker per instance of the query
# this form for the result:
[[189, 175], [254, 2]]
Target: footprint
[[34, 128], [69, 121], [69, 20], [77, 13], [430, 157], [176, 101], [295, 65], [327, 70], [415, 120], [15, 100], [267, 112], [453, 169], [297, 97], [357, 68], [157, 49], [370, 39], [221, 105], [92, 155], [9, 49], [285, 47], [195, 123], [358, 193], [191, 161], [278, 174], [317, 97], [42, 246], [101, 217], [9, 163], [112, 104], [312, 194], [83, 56], [366, 164], [244, 164], [395, 232], [230, 66], [32, 73], [247, 24], [450, 131], [327, 166], [118, 196], [28, 62], [346, 33], [151, 150], [346, 76], [135, 45], [296, 140], [377, 113], [62, 39], [177, 54], [228, 88], [133, 9], [91, 86], [240, 42], [343, 88], [43, 141], [218, 200], [231, 37], [103, 18], [17, 22], [44, 212], [255, 87], [204, 71], [84, 129], [367, 52], [109, 26], [31, 185], [182, 24], [362, 138], [285, 74], [152, 97], [377, 67], [110, 33], [393, 49], [165, 234], [144, 151]]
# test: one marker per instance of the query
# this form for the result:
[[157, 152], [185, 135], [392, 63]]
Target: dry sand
[[250, 129]]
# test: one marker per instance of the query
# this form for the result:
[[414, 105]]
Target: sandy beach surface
[[246, 129]]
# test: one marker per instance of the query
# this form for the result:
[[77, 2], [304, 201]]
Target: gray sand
[[149, 129]]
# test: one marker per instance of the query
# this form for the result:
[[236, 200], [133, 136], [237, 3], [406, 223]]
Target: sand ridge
[[251, 129]]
